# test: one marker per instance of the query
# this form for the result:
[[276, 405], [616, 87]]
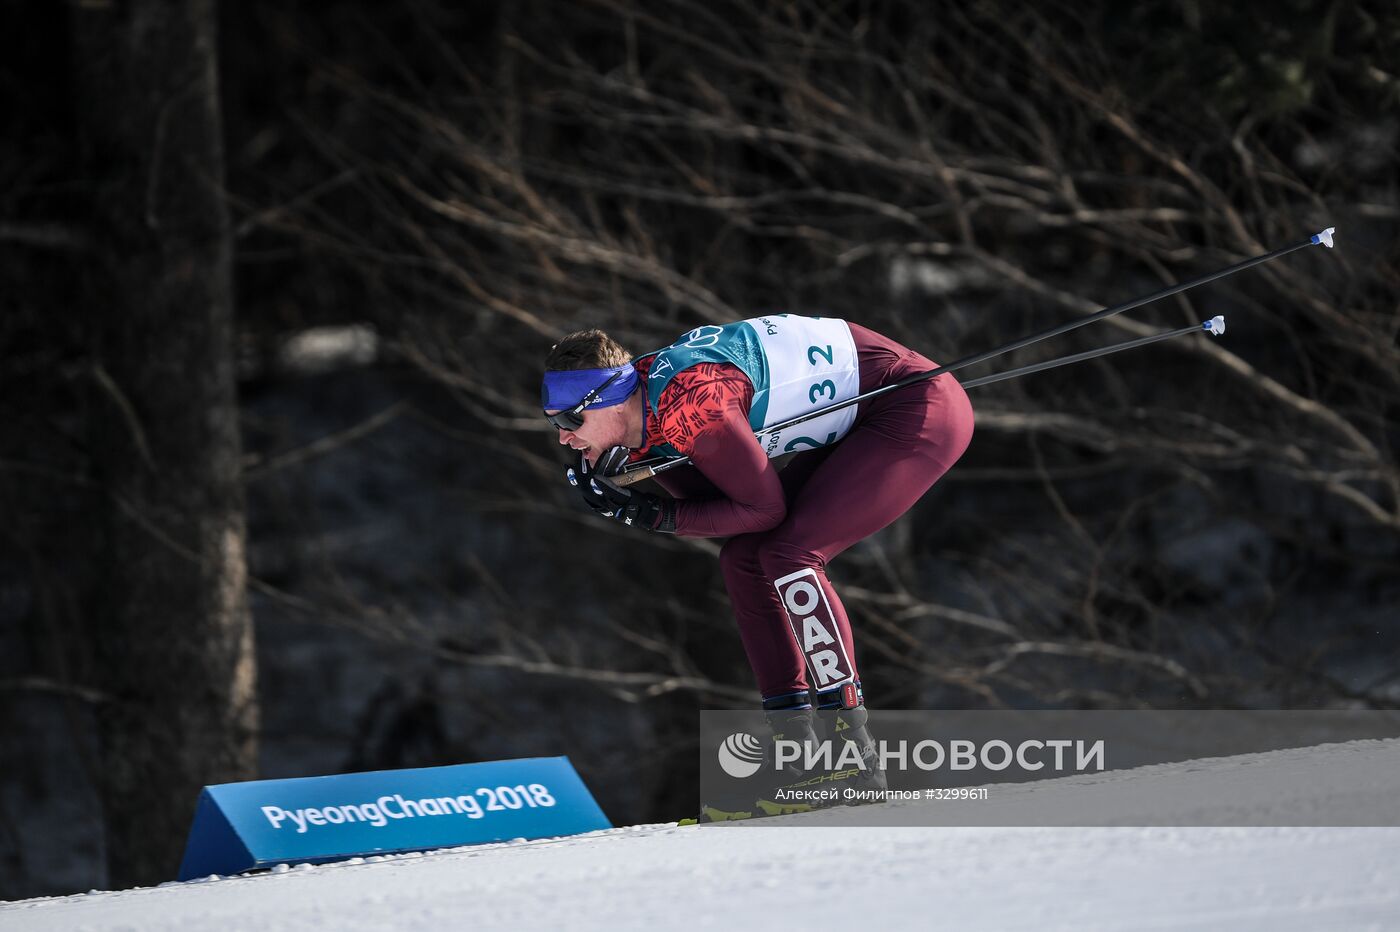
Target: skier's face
[[591, 428], [602, 428]]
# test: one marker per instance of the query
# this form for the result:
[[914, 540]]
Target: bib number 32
[[823, 390]]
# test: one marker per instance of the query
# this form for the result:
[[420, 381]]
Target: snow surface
[[806, 871]]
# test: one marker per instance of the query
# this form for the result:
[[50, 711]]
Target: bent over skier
[[861, 467]]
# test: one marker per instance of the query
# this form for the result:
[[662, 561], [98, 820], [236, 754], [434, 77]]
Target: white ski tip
[[1215, 326], [1325, 237]]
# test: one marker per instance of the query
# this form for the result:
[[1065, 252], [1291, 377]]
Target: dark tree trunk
[[171, 635]]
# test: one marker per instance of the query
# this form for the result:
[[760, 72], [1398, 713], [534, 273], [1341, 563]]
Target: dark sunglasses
[[572, 419]]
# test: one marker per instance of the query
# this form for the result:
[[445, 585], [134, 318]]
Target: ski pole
[[641, 471], [1215, 326]]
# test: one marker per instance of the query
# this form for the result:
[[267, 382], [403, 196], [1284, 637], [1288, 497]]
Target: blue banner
[[239, 826]]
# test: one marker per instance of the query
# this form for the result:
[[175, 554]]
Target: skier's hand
[[580, 476], [612, 461], [621, 503]]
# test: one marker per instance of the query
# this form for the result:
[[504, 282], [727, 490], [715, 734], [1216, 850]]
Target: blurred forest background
[[278, 279]]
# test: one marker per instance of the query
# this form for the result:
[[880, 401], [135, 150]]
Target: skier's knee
[[781, 558]]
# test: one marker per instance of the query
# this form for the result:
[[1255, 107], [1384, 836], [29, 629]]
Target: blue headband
[[564, 388]]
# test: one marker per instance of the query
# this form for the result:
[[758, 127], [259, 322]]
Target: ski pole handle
[[633, 476]]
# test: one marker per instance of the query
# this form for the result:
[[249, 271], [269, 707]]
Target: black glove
[[621, 503], [594, 496]]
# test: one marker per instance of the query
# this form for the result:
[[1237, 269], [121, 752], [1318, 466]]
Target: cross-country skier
[[860, 468]]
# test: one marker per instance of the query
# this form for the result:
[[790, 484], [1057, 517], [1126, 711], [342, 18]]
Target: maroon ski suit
[[785, 526]]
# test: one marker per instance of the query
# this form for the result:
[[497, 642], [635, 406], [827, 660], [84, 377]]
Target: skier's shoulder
[[701, 399], [705, 385]]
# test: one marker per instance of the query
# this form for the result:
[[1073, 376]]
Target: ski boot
[[773, 790], [844, 719], [868, 780], [794, 788]]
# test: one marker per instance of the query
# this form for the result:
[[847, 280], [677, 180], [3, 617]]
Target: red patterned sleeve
[[704, 413]]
